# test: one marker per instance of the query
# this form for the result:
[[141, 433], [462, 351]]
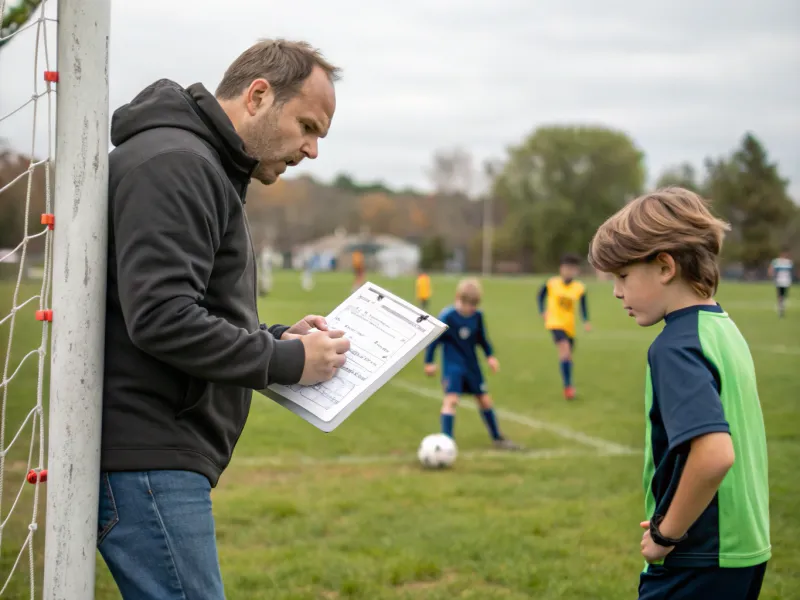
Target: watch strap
[[661, 539]]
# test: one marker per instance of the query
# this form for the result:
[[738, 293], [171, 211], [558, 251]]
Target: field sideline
[[303, 515]]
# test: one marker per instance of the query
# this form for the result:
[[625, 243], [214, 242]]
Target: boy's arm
[[483, 339], [430, 351], [687, 387], [710, 458], [584, 308], [542, 297]]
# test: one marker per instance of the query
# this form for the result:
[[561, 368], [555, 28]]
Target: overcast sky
[[684, 78]]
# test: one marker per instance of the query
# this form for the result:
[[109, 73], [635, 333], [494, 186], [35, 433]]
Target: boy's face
[[568, 272], [466, 308], [641, 288]]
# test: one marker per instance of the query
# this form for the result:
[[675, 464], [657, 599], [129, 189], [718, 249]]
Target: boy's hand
[[544, 316], [430, 369], [650, 550], [494, 364], [587, 326]]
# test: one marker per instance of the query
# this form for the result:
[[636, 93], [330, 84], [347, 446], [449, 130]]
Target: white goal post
[[78, 299]]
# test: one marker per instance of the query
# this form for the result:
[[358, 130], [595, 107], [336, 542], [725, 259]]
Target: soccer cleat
[[569, 392], [504, 444]]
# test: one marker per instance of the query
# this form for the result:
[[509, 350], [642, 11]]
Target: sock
[[566, 372], [491, 423], [447, 424]]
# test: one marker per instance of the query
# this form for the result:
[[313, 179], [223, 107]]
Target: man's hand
[[650, 550], [325, 352], [430, 369], [305, 325], [494, 364], [587, 326]]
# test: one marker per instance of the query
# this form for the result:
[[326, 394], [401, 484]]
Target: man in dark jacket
[[184, 345]]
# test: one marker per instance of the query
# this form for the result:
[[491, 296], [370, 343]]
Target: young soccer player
[[359, 269], [705, 474], [558, 301], [461, 372], [423, 290], [782, 269]]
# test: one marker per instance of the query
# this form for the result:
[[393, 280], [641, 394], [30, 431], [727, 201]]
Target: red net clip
[[44, 315], [51, 76], [35, 476], [49, 220]]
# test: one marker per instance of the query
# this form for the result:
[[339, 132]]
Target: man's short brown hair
[[671, 220], [284, 64]]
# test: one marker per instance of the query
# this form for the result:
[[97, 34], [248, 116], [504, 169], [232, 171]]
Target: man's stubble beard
[[262, 143]]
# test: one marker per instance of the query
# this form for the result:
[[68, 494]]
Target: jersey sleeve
[[584, 307], [542, 297], [686, 387], [483, 338], [430, 351]]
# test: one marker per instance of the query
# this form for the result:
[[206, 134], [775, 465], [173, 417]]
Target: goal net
[[53, 219]]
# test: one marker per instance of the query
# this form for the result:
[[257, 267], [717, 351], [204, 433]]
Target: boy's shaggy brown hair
[[671, 220]]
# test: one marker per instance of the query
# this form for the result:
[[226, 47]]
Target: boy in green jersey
[[705, 475]]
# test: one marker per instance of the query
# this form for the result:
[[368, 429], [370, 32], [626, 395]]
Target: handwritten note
[[385, 332]]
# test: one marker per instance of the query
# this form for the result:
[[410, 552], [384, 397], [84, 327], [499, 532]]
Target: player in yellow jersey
[[359, 268], [423, 290], [559, 298]]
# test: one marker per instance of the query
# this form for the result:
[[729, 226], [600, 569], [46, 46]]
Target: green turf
[[306, 515]]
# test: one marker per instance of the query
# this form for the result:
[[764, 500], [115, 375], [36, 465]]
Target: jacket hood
[[167, 104]]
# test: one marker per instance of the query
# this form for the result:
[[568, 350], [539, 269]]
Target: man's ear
[[667, 267], [259, 96]]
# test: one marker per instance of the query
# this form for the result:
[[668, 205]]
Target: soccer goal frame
[[78, 298]]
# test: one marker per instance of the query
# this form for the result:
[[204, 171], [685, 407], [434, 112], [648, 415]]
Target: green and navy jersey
[[701, 379], [459, 342], [782, 270]]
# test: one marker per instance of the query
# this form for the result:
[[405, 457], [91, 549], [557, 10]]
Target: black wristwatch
[[660, 539]]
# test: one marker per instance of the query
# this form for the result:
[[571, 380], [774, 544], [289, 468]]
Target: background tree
[[16, 17], [750, 194], [561, 183], [683, 175], [452, 172]]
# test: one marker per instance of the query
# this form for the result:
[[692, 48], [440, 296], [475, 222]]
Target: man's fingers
[[341, 345], [335, 333], [644, 524], [317, 321]]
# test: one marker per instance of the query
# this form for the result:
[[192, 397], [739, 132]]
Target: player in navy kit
[[461, 372]]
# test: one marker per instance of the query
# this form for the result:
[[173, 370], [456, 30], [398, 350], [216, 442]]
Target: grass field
[[306, 515]]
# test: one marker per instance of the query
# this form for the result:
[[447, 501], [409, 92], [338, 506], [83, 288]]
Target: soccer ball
[[437, 451]]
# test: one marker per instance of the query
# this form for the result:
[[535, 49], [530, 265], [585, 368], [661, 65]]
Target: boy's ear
[[667, 267]]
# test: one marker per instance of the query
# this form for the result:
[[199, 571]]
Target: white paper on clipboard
[[385, 333]]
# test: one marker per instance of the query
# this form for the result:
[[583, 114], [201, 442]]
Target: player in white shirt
[[782, 270], [265, 271]]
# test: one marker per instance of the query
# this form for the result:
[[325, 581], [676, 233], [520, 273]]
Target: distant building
[[387, 254]]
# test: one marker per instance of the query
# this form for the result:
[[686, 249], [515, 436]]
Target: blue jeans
[[155, 531]]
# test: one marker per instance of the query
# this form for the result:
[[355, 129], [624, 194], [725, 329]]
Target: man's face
[[282, 136]]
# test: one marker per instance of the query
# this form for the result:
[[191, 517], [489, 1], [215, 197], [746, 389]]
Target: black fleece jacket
[[184, 347]]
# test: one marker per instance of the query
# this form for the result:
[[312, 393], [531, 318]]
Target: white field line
[[603, 446]]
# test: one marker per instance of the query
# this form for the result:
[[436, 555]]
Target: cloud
[[685, 79]]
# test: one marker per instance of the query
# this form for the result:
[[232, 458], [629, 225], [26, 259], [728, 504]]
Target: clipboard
[[385, 333]]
